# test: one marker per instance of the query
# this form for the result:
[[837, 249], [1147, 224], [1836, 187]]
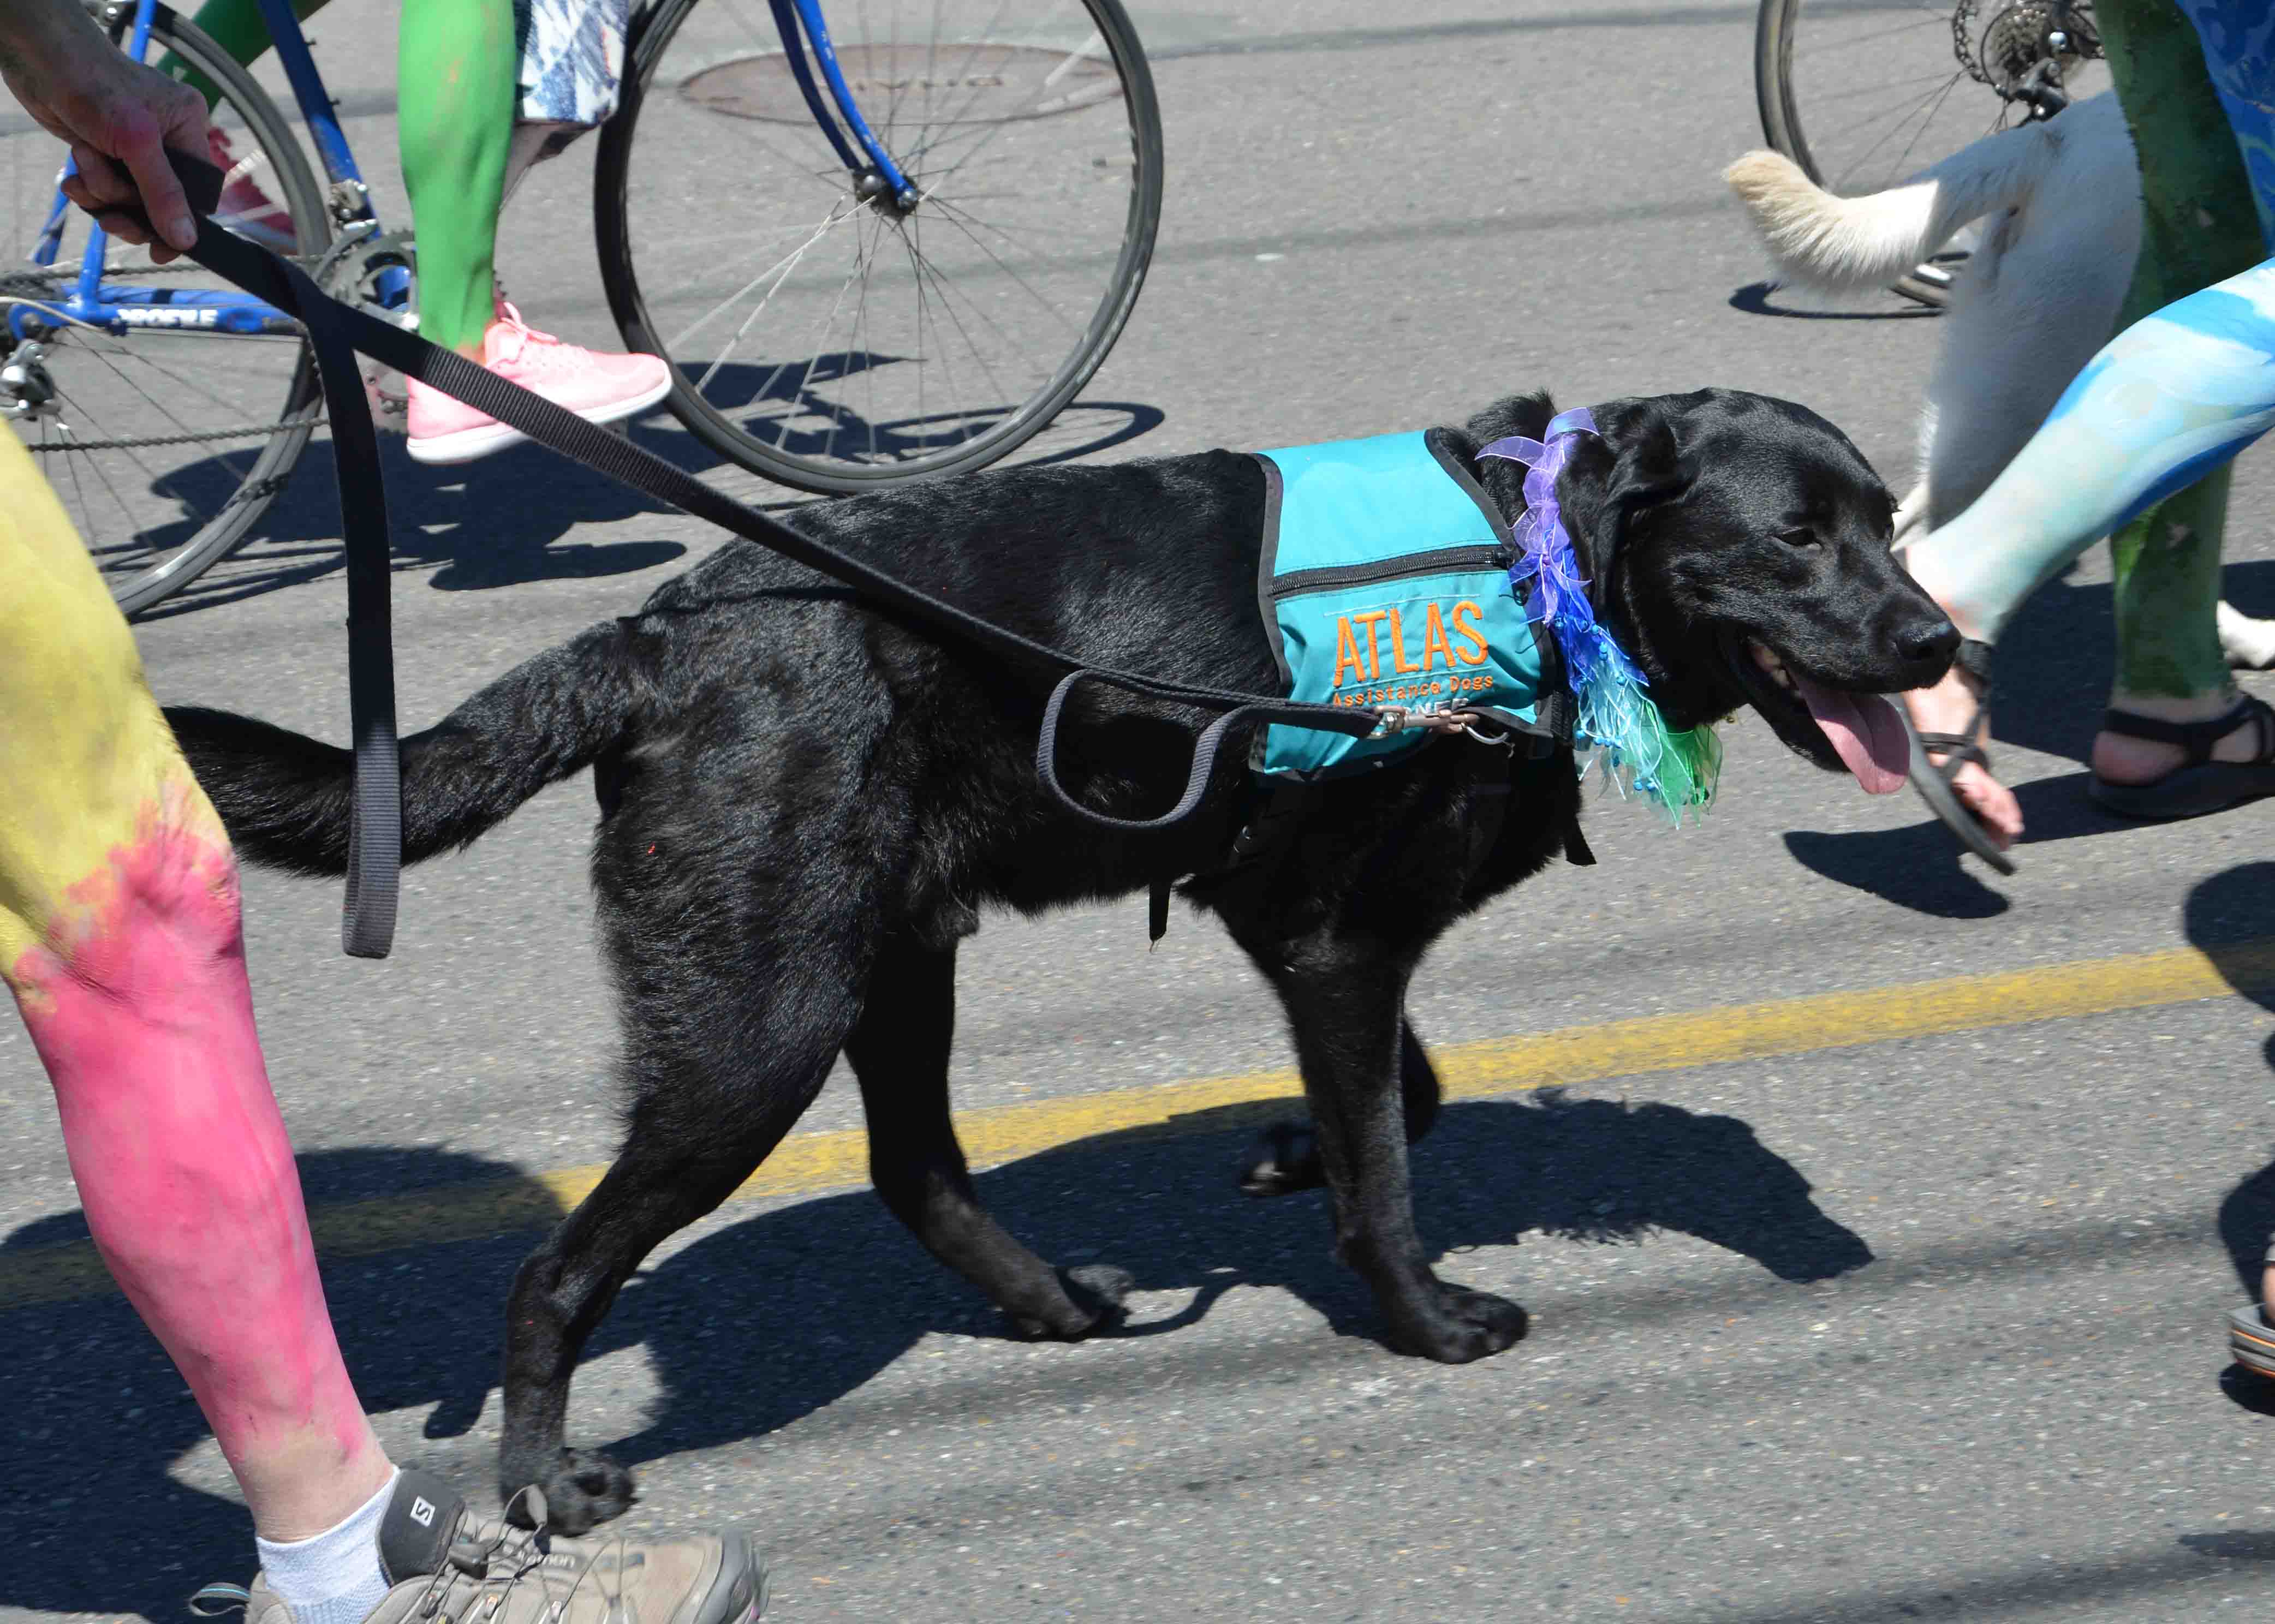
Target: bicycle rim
[[836, 346], [164, 446], [1864, 94]]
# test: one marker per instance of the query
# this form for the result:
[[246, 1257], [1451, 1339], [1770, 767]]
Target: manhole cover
[[938, 85]]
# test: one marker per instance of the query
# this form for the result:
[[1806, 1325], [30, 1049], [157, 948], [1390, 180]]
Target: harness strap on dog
[[336, 331]]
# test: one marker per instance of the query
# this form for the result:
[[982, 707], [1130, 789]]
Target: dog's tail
[[285, 798], [1842, 245]]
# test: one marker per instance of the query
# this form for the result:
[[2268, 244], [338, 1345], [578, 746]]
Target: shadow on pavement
[[1755, 300], [500, 522], [97, 1416], [2234, 907], [773, 1318], [2052, 679]]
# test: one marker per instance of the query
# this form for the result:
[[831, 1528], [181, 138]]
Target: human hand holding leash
[[117, 117]]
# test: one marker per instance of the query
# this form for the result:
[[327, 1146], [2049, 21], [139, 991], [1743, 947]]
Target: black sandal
[[1933, 782], [2201, 785], [2250, 1337]]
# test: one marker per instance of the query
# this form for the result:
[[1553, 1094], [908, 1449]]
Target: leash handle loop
[[1357, 723]]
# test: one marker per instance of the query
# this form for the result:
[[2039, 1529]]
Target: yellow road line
[[808, 1163]]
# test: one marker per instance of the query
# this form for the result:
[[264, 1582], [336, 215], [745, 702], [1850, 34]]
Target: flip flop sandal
[[1933, 782], [2201, 785], [2251, 1336], [2251, 1339]]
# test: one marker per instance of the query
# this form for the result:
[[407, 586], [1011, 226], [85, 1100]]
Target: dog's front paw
[[1283, 1160], [1462, 1325], [1094, 1294], [582, 1488]]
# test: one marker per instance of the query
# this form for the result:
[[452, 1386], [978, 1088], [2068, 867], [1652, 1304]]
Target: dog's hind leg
[[1285, 1156], [899, 1054], [718, 1075]]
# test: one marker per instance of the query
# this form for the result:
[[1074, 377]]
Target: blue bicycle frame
[[120, 307]]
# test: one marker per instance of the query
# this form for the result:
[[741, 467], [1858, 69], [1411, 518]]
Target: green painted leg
[[2200, 225], [456, 100], [2167, 592]]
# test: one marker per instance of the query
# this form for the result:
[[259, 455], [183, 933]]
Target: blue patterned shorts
[[572, 59]]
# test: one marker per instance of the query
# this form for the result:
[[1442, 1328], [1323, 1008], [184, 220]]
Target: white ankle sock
[[333, 1577]]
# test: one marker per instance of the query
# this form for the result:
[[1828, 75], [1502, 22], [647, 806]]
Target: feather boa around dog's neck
[[1615, 717]]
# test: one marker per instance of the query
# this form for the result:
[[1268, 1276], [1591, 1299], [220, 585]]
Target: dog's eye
[[1803, 540]]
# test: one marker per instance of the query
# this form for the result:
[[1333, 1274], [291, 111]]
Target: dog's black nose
[[1933, 640]]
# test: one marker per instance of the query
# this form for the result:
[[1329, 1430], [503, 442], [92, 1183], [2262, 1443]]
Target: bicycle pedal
[[390, 399]]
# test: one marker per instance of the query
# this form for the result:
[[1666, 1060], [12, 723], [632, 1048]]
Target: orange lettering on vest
[[1433, 639], [1370, 620], [1347, 651], [1468, 631], [1398, 648]]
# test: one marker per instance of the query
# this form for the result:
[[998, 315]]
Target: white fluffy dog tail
[[1838, 244]]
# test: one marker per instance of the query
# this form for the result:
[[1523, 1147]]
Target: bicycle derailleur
[[2027, 50], [26, 390]]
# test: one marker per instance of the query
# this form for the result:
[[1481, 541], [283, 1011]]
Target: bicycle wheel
[[165, 443], [836, 343], [1863, 93]]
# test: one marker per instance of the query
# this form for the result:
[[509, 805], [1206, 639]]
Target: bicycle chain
[[2026, 20], [246, 432]]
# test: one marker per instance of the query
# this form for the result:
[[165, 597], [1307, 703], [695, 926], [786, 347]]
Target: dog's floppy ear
[[1632, 462]]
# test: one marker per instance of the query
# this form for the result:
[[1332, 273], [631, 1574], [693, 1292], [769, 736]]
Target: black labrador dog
[[805, 802]]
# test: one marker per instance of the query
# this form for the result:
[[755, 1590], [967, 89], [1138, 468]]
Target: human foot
[[439, 1561], [2170, 759], [598, 387], [1952, 709], [2120, 758]]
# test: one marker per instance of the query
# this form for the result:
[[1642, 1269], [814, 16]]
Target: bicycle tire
[[1775, 27], [236, 515], [652, 32]]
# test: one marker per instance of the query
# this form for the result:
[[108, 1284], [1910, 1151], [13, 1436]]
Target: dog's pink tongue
[[1865, 730]]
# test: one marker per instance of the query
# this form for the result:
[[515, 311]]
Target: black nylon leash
[[337, 331]]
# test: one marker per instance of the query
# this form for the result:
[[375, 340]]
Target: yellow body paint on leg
[[119, 936], [83, 752]]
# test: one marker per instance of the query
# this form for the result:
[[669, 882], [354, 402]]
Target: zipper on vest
[[1441, 562]]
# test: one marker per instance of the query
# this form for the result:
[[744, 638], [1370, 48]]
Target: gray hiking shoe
[[448, 1569]]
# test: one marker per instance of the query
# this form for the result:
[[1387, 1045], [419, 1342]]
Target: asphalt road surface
[[1889, 1304]]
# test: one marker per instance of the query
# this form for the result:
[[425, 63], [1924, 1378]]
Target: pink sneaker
[[599, 388], [245, 208]]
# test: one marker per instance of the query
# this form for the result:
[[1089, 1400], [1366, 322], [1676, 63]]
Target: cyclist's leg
[[457, 136], [456, 91], [119, 938]]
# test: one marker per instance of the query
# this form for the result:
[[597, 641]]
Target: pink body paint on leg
[[140, 1007]]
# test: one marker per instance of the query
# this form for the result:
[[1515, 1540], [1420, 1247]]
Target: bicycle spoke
[[964, 324], [765, 389], [982, 36], [1926, 118], [949, 215], [785, 265], [941, 285]]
